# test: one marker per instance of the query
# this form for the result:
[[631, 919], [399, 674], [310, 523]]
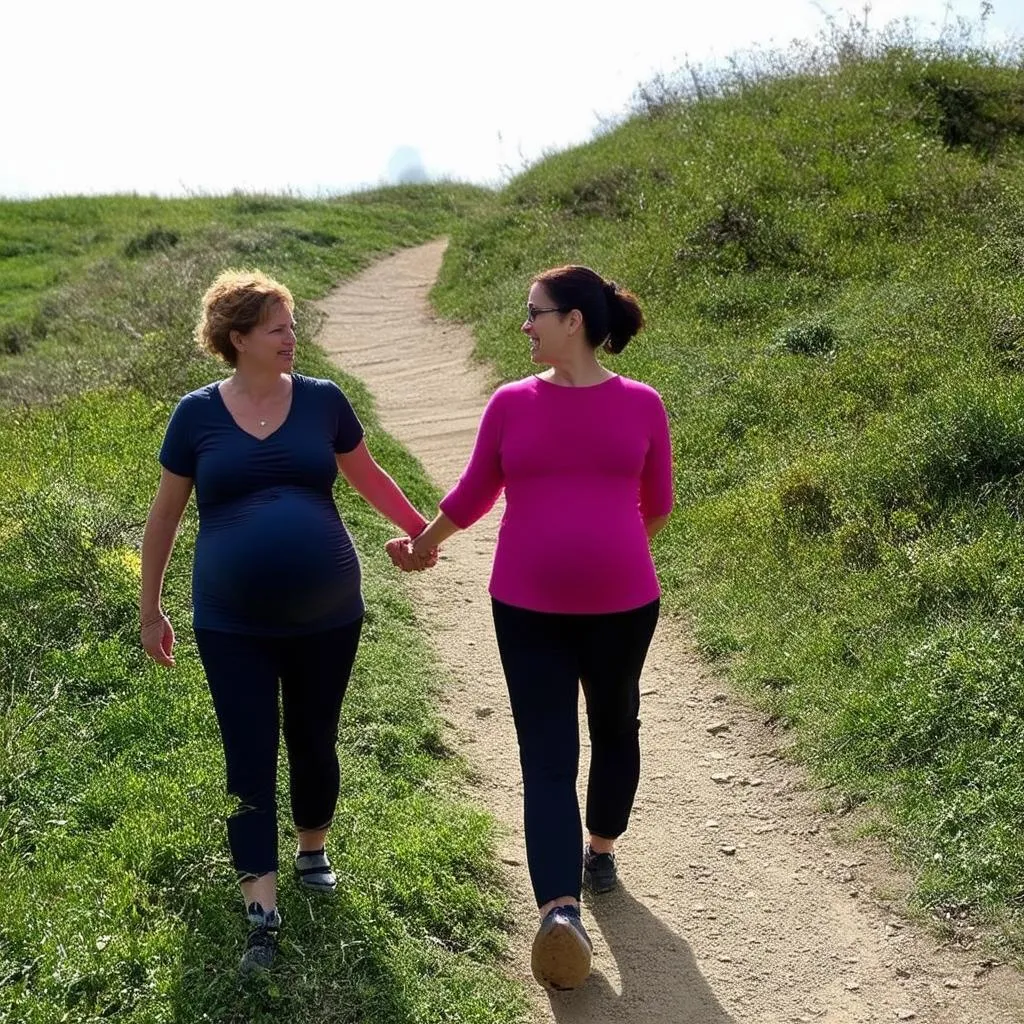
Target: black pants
[[243, 673], [545, 658]]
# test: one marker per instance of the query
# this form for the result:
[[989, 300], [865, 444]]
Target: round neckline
[[577, 387]]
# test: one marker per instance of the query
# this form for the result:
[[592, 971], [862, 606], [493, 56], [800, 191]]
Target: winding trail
[[741, 900]]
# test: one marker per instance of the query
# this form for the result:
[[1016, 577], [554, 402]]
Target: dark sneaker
[[261, 945], [599, 872], [314, 871], [562, 950]]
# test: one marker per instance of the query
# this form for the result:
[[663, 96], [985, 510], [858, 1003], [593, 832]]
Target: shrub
[[609, 194], [859, 547], [154, 240], [979, 114], [1007, 341], [741, 237], [805, 502], [815, 337], [14, 338]]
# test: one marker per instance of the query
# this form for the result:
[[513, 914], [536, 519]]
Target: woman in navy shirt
[[275, 581]]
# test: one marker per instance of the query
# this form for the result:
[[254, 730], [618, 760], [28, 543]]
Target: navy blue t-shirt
[[272, 555]]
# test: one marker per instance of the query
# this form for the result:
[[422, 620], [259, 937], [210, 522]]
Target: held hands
[[158, 640], [403, 554]]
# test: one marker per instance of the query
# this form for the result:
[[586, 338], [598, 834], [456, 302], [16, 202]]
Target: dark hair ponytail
[[611, 315], [625, 318]]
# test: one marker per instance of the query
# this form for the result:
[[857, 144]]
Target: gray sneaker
[[261, 944], [314, 871], [562, 950]]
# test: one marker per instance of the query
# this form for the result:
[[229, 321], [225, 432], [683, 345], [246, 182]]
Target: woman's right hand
[[158, 639], [400, 551]]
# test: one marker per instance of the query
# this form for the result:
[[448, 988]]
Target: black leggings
[[545, 658], [242, 671]]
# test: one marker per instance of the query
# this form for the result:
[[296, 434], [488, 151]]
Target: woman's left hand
[[157, 637], [400, 551]]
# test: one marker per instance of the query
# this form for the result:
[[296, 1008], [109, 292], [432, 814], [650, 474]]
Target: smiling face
[[269, 345], [553, 333]]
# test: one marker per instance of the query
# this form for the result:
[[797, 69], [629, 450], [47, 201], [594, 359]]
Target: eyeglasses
[[532, 312]]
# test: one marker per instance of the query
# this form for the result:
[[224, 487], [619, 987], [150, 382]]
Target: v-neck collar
[[238, 426]]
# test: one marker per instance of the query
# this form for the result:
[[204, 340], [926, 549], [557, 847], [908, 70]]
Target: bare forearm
[[389, 500], [436, 533], [157, 544]]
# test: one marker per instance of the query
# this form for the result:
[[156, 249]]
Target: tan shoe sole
[[561, 956]]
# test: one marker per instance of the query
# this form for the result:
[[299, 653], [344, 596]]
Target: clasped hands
[[403, 554]]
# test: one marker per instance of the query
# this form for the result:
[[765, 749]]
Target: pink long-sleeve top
[[582, 469]]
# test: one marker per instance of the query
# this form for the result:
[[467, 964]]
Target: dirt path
[[740, 900]]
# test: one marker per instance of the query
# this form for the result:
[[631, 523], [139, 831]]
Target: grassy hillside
[[119, 900], [831, 257], [80, 277]]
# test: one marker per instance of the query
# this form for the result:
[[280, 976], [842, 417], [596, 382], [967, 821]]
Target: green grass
[[119, 899], [83, 274], [831, 257]]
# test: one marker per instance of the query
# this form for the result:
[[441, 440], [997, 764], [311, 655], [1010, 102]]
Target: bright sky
[[323, 96]]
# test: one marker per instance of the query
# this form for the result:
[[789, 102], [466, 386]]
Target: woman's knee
[[252, 793], [313, 763], [549, 766], [614, 731]]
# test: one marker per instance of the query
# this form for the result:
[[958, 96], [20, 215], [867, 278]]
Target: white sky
[[316, 96]]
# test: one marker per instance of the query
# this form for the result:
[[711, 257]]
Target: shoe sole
[[247, 968], [313, 887], [307, 883], [561, 957], [598, 887]]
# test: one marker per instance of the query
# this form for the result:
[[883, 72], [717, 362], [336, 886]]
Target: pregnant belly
[[285, 560], [584, 565]]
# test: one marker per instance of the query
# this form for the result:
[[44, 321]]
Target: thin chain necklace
[[262, 423]]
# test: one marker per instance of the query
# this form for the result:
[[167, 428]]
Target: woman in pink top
[[585, 460]]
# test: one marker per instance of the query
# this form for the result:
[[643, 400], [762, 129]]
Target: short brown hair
[[238, 300]]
